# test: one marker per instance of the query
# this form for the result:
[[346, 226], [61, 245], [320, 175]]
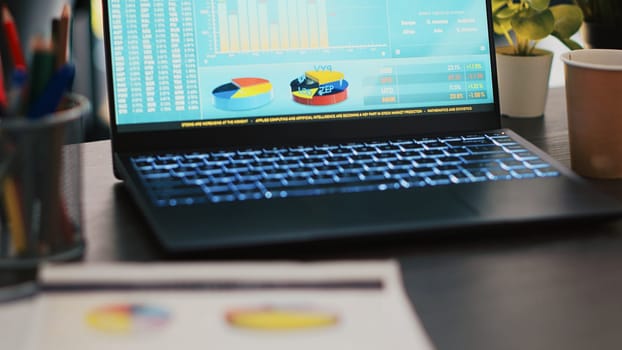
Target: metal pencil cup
[[40, 187]]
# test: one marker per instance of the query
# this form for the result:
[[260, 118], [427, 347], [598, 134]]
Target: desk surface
[[535, 287]]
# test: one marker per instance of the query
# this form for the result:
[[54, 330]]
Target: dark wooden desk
[[533, 287]]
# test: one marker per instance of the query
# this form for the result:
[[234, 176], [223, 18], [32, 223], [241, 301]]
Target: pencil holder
[[40, 187]]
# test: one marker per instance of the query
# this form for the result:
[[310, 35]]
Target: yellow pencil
[[15, 215]]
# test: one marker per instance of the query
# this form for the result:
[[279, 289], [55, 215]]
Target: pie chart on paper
[[127, 318], [275, 318], [243, 94]]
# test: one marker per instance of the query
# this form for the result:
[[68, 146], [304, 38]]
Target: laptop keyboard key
[[510, 164], [447, 169], [433, 153], [436, 180], [460, 177], [536, 163], [486, 149], [523, 173], [478, 175], [499, 174], [526, 156], [424, 170], [449, 160], [484, 158], [547, 172], [470, 142], [457, 151]]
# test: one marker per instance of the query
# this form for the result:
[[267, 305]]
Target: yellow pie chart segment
[[281, 319], [109, 322], [325, 77], [253, 90]]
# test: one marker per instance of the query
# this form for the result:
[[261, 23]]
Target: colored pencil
[[19, 78], [53, 92], [64, 33], [42, 69], [12, 38], [3, 96], [56, 41], [15, 215]]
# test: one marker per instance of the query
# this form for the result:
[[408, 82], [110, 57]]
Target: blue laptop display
[[203, 63]]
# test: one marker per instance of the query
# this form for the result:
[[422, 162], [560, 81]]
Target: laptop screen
[[188, 64]]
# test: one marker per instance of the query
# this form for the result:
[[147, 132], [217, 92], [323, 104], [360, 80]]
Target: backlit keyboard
[[266, 173]]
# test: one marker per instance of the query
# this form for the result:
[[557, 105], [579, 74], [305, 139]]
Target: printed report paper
[[257, 306]]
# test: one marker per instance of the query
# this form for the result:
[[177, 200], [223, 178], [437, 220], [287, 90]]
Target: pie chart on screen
[[243, 94], [320, 88], [127, 318]]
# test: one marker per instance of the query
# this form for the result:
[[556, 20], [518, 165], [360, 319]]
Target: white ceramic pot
[[523, 82]]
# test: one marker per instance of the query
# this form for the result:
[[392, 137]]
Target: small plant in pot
[[603, 23], [523, 69]]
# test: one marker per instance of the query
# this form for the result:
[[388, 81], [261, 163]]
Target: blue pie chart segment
[[243, 94]]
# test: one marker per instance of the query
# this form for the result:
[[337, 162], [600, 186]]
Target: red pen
[[15, 47]]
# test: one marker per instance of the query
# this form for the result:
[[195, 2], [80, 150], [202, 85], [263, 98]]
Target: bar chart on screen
[[269, 26]]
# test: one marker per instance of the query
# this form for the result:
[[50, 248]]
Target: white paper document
[[256, 306], [15, 323]]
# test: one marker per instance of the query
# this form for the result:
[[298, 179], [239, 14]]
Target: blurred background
[[33, 17]]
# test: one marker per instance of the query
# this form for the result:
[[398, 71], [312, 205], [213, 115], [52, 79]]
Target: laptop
[[245, 123]]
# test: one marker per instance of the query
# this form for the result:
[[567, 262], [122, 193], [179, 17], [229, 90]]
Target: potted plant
[[523, 69], [602, 28]]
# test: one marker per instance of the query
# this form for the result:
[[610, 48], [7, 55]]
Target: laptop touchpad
[[371, 212]]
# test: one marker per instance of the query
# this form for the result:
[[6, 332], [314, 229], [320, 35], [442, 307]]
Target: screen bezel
[[297, 133]]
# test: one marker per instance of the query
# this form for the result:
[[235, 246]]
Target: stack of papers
[[225, 306]]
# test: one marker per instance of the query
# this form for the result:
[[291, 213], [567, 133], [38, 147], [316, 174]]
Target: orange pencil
[[64, 32], [12, 38]]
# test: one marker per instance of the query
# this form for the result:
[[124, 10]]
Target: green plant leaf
[[502, 26], [533, 25], [571, 44], [568, 19], [497, 4], [538, 5], [505, 13]]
